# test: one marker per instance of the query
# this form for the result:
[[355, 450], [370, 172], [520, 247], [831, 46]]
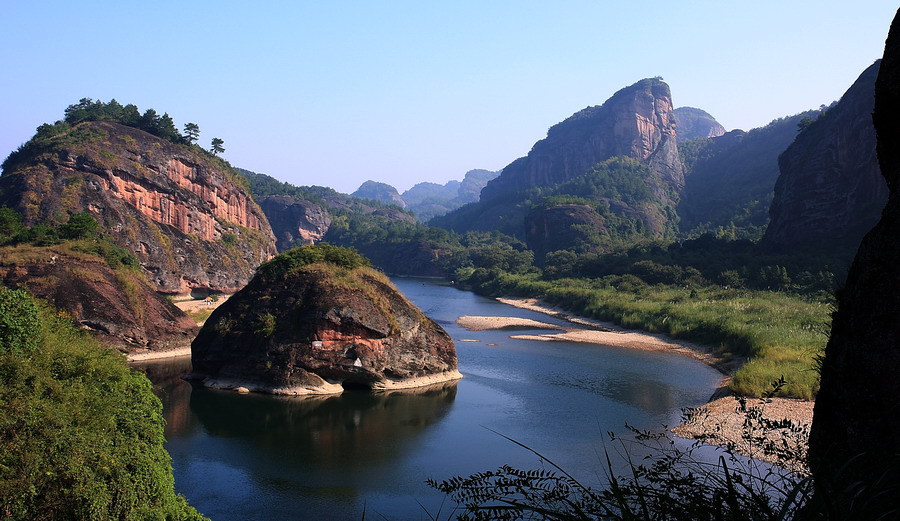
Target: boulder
[[308, 325]]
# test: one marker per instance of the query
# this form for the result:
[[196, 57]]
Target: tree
[[191, 132], [217, 147], [81, 225]]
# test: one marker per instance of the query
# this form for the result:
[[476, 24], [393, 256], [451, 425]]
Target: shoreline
[[718, 421], [158, 355], [607, 333], [325, 388]]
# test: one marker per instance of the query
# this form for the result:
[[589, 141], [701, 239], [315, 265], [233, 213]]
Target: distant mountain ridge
[[696, 123], [381, 192], [617, 163], [428, 200]]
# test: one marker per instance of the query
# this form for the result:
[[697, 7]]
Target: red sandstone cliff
[[185, 215]]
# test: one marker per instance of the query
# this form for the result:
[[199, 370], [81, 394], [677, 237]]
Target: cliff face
[[182, 213], [116, 306], [295, 222], [636, 122], [316, 327], [856, 425], [830, 190]]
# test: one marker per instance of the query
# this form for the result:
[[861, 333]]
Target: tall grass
[[773, 334]]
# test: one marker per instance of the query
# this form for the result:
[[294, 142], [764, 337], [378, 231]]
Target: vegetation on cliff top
[[286, 263], [69, 131], [81, 435]]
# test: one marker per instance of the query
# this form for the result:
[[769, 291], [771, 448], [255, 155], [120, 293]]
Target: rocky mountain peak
[[637, 122]]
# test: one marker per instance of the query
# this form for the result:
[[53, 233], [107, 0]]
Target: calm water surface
[[256, 457]]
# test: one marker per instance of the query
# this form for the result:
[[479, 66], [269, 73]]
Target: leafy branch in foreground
[[670, 484]]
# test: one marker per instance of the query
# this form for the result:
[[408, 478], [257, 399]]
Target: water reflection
[[356, 428], [239, 457], [174, 393]]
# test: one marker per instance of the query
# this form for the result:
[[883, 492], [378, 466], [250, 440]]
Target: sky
[[335, 93]]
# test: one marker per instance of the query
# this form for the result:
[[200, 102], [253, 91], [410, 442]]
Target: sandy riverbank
[[158, 355], [720, 422], [193, 308], [592, 331], [717, 422]]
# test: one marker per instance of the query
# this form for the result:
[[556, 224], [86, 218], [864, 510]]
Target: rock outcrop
[[636, 122], [116, 306], [696, 123], [295, 222], [830, 191], [856, 424], [184, 214], [305, 325]]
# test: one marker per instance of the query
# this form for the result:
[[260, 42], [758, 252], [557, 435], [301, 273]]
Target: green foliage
[[81, 225], [20, 326], [265, 324], [81, 434], [89, 110], [10, 224], [69, 131], [229, 239], [191, 133], [778, 333], [285, 263], [81, 231], [217, 146]]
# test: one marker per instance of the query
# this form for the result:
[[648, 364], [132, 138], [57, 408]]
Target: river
[[257, 457]]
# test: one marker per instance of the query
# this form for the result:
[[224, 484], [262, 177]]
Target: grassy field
[[776, 333]]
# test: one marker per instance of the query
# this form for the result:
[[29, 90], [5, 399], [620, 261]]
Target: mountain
[[729, 180], [301, 215], [184, 213], [695, 123], [427, 200], [830, 191], [637, 122], [617, 163], [381, 192]]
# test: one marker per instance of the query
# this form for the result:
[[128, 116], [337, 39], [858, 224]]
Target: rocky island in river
[[314, 320]]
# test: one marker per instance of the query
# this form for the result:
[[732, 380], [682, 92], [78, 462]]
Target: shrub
[[293, 259], [20, 327], [81, 434]]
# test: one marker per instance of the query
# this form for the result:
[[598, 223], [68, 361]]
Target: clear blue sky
[[335, 93]]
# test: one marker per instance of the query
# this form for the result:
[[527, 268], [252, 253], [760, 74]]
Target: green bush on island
[[81, 435], [295, 258]]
